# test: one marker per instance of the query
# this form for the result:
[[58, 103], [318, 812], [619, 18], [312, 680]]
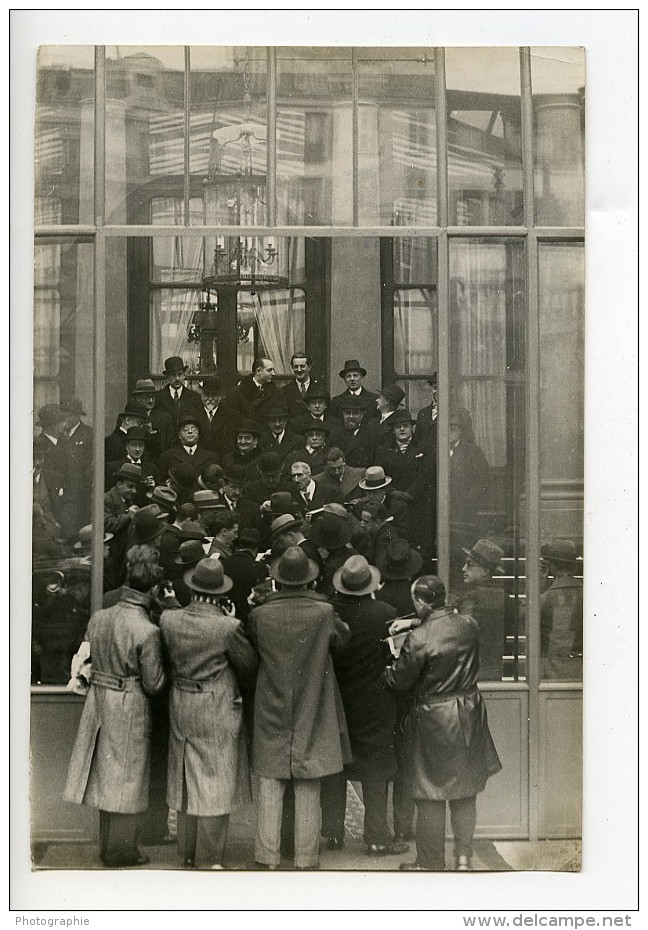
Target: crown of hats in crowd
[[374, 478], [174, 364], [560, 550], [352, 364], [486, 553], [399, 561], [190, 552], [282, 524], [84, 538], [294, 568], [356, 577], [331, 529], [248, 426], [184, 475], [208, 577], [130, 472], [393, 393]]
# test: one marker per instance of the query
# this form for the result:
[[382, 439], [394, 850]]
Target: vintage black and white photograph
[[307, 535]]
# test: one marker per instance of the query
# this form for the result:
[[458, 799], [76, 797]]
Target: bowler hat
[[147, 526], [317, 390], [356, 577], [164, 496], [393, 393], [560, 550], [330, 530], [248, 426], [487, 554], [73, 405], [211, 385], [190, 552], [84, 541], [173, 364], [352, 364], [135, 433], [184, 475], [135, 409], [354, 402], [399, 561], [144, 386], [269, 463], [235, 474], [208, 577], [206, 500], [192, 530], [50, 415], [294, 568], [282, 502], [248, 535], [374, 478], [130, 472], [400, 416], [210, 477], [282, 524], [189, 418], [308, 426], [276, 409]]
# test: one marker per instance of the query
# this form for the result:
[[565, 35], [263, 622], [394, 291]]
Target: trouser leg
[[268, 831], [288, 821], [187, 837], [402, 801], [307, 822], [212, 836], [463, 815], [104, 823], [430, 834], [120, 844], [333, 790], [376, 828]]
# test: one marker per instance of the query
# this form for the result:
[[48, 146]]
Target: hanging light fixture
[[236, 197]]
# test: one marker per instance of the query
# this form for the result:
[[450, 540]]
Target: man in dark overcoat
[[353, 375], [76, 445], [338, 479], [297, 716], [219, 421], [175, 397], [294, 393], [276, 436], [252, 394], [188, 450], [159, 425]]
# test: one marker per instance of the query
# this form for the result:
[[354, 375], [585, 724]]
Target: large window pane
[[64, 137], [144, 127], [487, 445], [558, 82], [561, 278], [314, 136], [397, 137], [228, 139], [62, 463], [484, 136]]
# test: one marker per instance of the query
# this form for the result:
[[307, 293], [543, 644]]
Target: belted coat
[[206, 650], [110, 763], [449, 750], [299, 725]]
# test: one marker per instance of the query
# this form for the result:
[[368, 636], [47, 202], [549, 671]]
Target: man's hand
[[403, 623]]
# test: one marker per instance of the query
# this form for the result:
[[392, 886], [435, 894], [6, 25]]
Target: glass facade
[[419, 209]]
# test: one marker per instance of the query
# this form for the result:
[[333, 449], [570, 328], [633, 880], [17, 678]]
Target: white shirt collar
[[52, 439], [189, 448]]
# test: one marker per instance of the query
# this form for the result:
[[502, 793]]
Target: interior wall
[[355, 308]]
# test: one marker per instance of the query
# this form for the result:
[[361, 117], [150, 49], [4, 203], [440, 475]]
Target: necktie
[[302, 389], [176, 396], [210, 414]]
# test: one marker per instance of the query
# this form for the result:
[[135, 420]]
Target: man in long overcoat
[[298, 723]]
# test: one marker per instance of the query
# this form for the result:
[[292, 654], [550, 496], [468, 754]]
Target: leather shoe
[[335, 842], [410, 867], [307, 868], [387, 849], [189, 863], [463, 864], [262, 867], [140, 859], [403, 837]]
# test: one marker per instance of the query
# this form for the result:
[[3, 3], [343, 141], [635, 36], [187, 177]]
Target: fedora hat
[[276, 409], [144, 386], [487, 554], [282, 524], [235, 474], [208, 577], [207, 500], [210, 477], [248, 426], [248, 535], [184, 475], [399, 561], [50, 415], [282, 502], [135, 433], [73, 405], [374, 478], [146, 526], [352, 364], [130, 472], [560, 550], [294, 568], [356, 577], [190, 552], [164, 496], [353, 402], [173, 364], [189, 418], [192, 530], [84, 538], [211, 385], [400, 416], [269, 463], [309, 426], [393, 393], [135, 409], [330, 530], [316, 389]]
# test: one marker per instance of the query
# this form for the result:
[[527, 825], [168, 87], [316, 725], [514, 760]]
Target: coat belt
[[188, 684], [439, 698], [116, 682]]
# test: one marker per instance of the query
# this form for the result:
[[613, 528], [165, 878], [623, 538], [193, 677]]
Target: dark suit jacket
[[190, 403], [248, 401], [176, 454], [292, 398], [163, 431], [316, 460], [366, 395], [359, 450], [334, 424], [219, 434], [289, 443], [77, 451], [245, 572], [403, 468], [247, 461], [328, 491], [426, 426]]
